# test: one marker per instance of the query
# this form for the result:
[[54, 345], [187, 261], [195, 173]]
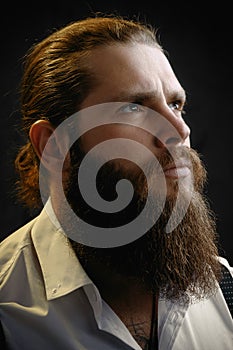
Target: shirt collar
[[62, 271]]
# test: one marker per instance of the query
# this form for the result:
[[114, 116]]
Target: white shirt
[[47, 302]]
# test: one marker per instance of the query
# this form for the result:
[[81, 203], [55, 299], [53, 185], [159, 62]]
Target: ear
[[40, 133]]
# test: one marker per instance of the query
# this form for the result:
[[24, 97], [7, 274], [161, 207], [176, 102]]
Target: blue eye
[[177, 106], [174, 105], [131, 108]]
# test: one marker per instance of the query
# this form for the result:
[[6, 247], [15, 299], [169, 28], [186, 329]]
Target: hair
[[56, 79]]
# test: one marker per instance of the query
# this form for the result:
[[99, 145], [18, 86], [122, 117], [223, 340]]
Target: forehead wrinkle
[[154, 95], [134, 83], [173, 91], [136, 96]]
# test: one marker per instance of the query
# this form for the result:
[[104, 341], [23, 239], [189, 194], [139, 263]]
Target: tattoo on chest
[[140, 335]]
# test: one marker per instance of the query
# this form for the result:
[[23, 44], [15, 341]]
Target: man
[[101, 92]]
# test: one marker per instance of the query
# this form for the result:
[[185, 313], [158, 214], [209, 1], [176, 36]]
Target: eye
[[177, 106], [131, 108]]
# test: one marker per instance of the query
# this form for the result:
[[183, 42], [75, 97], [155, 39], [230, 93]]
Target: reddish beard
[[180, 264]]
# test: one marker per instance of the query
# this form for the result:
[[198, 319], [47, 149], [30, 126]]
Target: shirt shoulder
[[12, 246]]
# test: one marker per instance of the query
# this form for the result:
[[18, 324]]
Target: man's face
[[140, 76]]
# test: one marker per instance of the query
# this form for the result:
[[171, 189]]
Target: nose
[[171, 130]]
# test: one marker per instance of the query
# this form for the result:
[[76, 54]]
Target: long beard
[[180, 265]]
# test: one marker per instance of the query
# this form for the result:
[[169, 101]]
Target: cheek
[[100, 134], [127, 147]]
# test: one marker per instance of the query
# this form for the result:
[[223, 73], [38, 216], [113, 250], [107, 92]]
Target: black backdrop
[[199, 42]]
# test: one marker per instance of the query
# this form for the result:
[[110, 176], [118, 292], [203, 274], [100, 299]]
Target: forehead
[[123, 69]]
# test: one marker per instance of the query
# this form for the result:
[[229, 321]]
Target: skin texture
[[142, 74]]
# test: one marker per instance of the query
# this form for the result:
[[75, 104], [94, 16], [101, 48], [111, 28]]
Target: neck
[[113, 286], [128, 298]]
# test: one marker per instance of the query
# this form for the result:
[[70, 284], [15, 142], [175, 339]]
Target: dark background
[[199, 42]]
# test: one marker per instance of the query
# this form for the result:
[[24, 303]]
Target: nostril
[[171, 132], [165, 142], [172, 141]]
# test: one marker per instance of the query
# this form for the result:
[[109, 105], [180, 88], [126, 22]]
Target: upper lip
[[177, 164]]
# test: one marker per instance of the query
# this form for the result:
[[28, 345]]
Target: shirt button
[[54, 291]]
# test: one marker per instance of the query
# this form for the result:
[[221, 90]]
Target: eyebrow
[[140, 97]]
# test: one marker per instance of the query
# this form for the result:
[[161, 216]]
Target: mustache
[[175, 157], [172, 158], [180, 156]]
